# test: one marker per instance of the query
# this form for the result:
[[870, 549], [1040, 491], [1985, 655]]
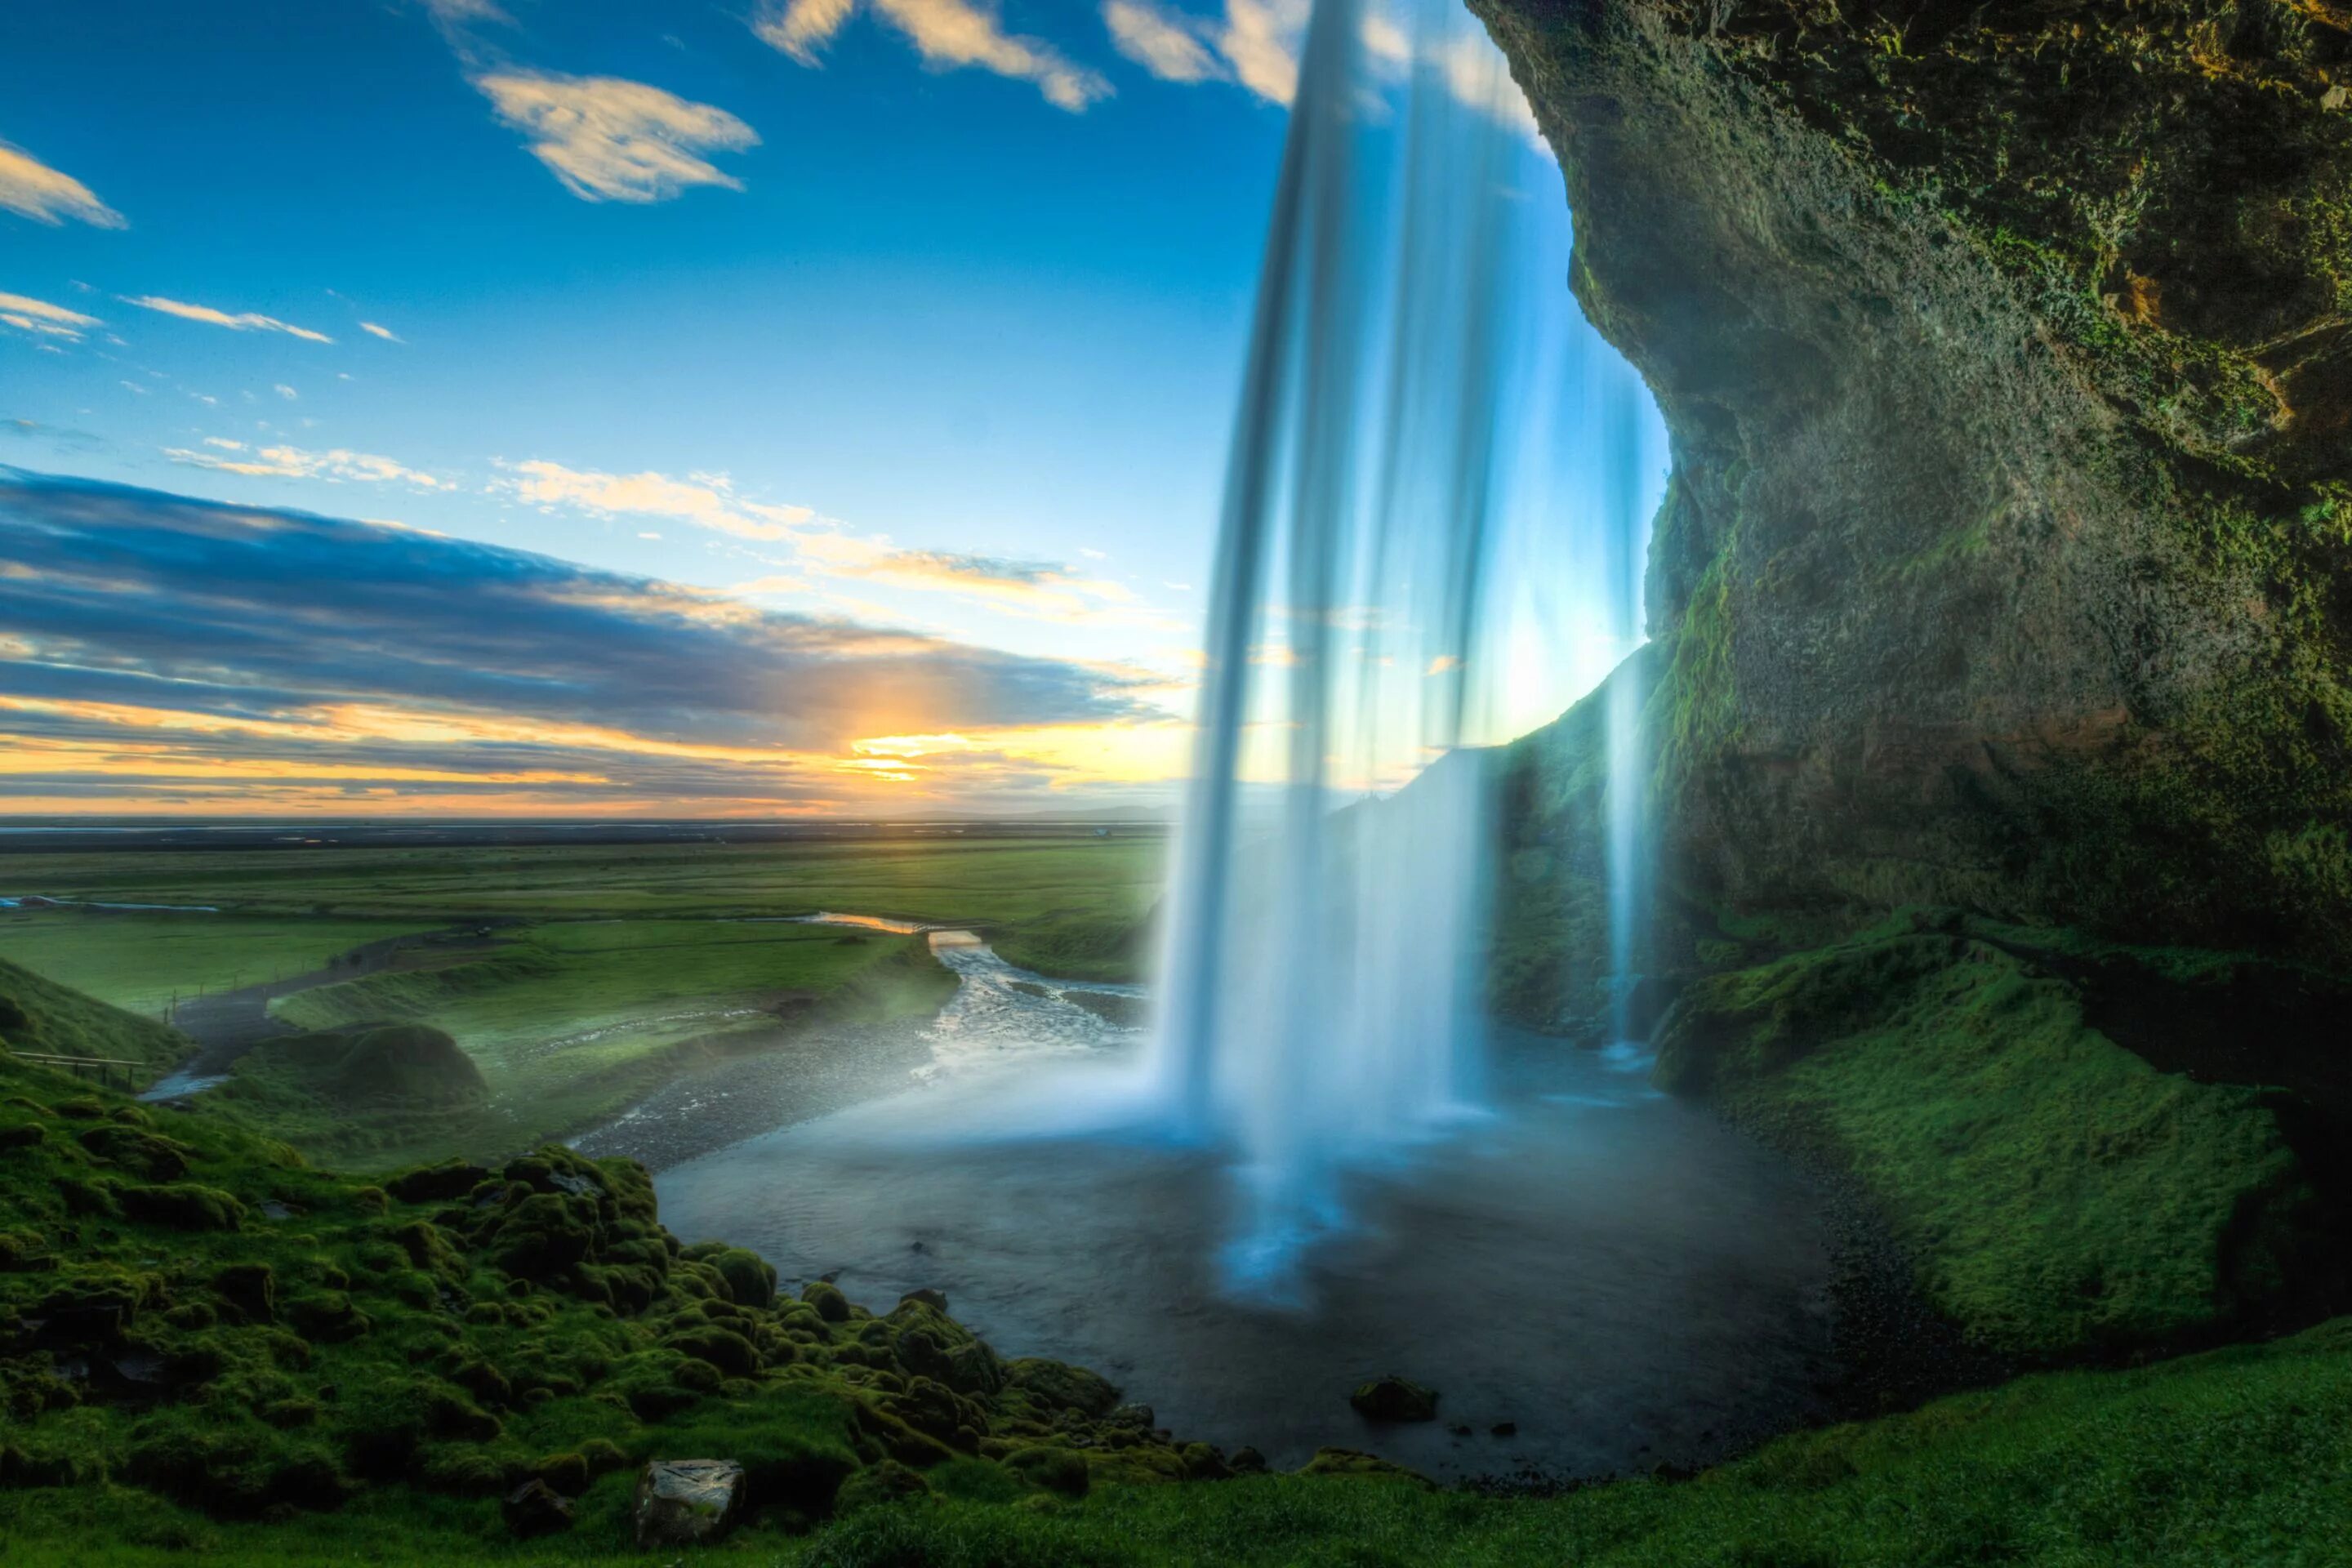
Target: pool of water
[[1611, 1272]]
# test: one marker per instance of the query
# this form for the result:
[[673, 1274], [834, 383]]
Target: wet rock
[[687, 1503], [1505, 1429], [1393, 1398], [1139, 1416], [535, 1508]]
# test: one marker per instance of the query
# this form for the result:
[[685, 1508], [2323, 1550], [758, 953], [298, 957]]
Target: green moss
[[2055, 1191], [321, 1343]]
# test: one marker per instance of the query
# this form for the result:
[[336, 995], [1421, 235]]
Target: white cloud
[[386, 333], [1160, 43], [1259, 42], [294, 463], [611, 140], [132, 386], [41, 318], [948, 33], [30, 188], [801, 28], [707, 500], [646, 535], [1255, 43], [243, 321], [286, 391]]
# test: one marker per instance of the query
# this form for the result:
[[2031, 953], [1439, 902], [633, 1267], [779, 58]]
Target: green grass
[[1084, 896], [2241, 1456], [2055, 1192], [143, 962], [370, 1367], [37, 1015], [569, 1022], [358, 1372]]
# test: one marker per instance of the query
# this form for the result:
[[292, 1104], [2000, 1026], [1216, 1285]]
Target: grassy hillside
[[2055, 1191], [39, 1015], [202, 1329]]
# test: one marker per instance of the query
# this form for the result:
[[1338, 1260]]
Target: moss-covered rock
[[2008, 560], [2056, 1192]]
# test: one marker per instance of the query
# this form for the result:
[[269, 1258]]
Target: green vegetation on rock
[[199, 1322], [2055, 1192]]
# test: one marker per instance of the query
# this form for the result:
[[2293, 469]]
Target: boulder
[[687, 1503], [535, 1508], [1393, 1398], [1063, 1386], [436, 1184]]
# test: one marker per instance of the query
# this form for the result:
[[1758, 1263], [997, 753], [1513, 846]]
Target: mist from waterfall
[[1327, 929]]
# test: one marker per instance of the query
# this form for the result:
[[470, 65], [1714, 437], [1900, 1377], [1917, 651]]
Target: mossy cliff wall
[[2007, 352]]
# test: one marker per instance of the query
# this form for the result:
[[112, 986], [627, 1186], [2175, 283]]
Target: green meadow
[[605, 971], [1025, 887], [143, 963]]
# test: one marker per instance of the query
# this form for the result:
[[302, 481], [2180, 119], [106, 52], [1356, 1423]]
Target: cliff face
[[2007, 352]]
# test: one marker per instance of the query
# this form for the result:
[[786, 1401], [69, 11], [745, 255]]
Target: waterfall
[[1326, 932]]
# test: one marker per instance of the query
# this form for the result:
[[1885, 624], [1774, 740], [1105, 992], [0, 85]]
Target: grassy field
[[570, 1022], [613, 966], [141, 962], [1009, 884]]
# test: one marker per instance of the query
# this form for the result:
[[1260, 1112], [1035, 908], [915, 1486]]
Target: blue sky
[[917, 314]]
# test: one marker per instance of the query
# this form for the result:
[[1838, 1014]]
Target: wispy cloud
[[611, 140], [240, 322], [183, 654], [30, 188], [451, 11], [1254, 45], [707, 500], [41, 318], [386, 333], [948, 33], [294, 463], [1035, 588], [1162, 42]]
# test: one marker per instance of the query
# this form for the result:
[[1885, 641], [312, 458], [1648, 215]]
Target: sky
[[627, 406]]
